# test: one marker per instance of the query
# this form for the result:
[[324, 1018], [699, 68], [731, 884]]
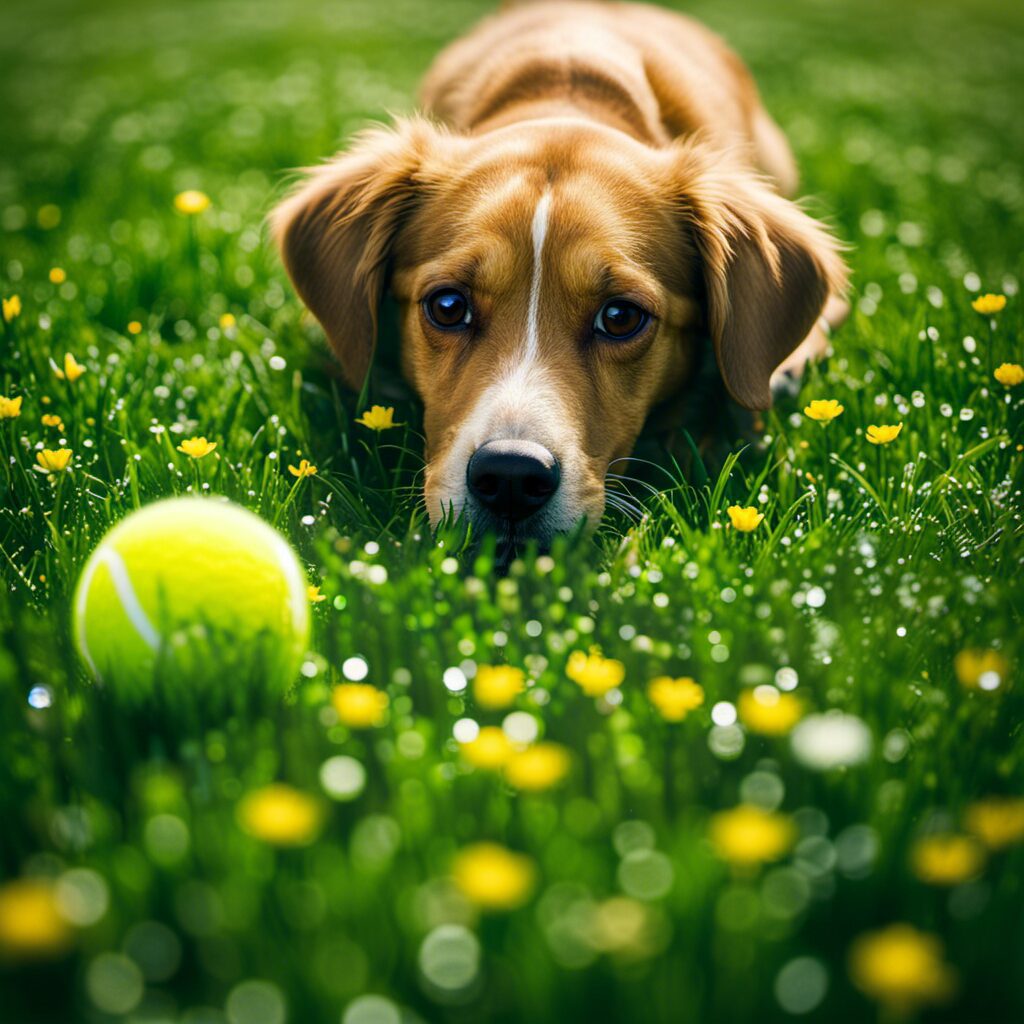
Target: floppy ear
[[335, 233], [768, 269]]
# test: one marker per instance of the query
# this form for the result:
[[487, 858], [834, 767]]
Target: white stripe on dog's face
[[538, 231], [524, 404]]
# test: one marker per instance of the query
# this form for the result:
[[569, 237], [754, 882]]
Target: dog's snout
[[512, 479]]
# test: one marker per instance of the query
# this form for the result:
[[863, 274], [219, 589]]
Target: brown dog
[[598, 189]]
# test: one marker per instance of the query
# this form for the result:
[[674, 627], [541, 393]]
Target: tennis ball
[[196, 593]]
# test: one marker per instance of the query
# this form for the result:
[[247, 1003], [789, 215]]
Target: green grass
[[872, 569]]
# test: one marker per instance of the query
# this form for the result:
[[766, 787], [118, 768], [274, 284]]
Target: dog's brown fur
[[664, 176]]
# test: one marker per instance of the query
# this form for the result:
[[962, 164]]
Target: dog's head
[[552, 279]]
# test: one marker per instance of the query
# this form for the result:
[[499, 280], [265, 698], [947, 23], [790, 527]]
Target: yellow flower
[[748, 835], [989, 304], [378, 418], [1009, 374], [73, 369], [901, 967], [197, 447], [497, 686], [766, 711], [491, 749], [10, 408], [11, 307], [675, 698], [823, 409], [493, 877], [58, 275], [998, 821], [595, 674], [191, 201], [53, 461], [314, 595], [31, 924], [538, 767], [52, 420], [227, 321], [744, 519], [360, 705], [134, 327], [884, 434], [946, 859], [281, 815], [304, 468], [979, 669]]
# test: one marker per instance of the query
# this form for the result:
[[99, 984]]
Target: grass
[[874, 568]]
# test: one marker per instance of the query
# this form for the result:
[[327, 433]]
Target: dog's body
[[605, 192]]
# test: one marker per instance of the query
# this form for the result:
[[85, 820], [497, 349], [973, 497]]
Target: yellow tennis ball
[[193, 591]]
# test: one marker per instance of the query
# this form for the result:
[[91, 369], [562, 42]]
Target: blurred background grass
[[905, 119]]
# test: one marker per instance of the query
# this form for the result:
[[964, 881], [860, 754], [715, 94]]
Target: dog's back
[[654, 74]]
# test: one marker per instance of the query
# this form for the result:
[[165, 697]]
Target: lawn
[[827, 824]]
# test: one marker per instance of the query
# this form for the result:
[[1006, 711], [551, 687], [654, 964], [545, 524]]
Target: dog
[[593, 189]]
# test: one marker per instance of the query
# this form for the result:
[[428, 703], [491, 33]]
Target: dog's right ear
[[335, 234]]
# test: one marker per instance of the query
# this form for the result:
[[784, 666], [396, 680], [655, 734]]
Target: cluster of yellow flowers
[[951, 858], [1009, 374], [538, 767], [32, 923], [594, 674], [674, 699], [497, 686], [747, 836], [491, 749], [281, 815], [48, 460], [902, 968], [989, 304], [360, 705], [997, 821], [824, 410], [10, 408], [946, 858], [191, 201], [532, 768], [981, 669], [11, 308], [766, 711], [492, 877]]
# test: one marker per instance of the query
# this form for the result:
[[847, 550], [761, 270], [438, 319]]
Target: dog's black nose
[[512, 479]]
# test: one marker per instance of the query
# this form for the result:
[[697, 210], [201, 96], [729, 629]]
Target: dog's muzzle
[[512, 479]]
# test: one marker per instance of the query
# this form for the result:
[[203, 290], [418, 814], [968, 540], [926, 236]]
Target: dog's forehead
[[537, 153], [595, 196]]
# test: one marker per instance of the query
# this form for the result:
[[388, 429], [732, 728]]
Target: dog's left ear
[[335, 234], [768, 268]]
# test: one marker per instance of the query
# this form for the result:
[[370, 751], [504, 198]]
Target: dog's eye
[[448, 309], [620, 319]]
